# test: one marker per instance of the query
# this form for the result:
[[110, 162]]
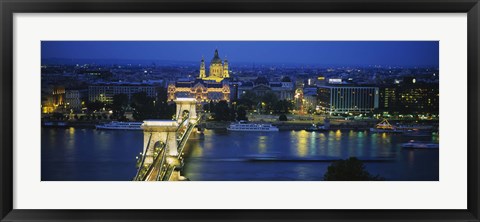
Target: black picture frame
[[9, 7]]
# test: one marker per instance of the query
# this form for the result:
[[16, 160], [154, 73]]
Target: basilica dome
[[216, 59]]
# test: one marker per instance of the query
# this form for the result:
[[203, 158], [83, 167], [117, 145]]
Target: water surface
[[95, 155]]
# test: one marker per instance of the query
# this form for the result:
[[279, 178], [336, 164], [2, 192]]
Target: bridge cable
[[144, 156]]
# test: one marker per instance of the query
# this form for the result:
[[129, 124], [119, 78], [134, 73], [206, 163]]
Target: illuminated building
[[47, 106], [58, 95], [105, 92], [348, 99], [388, 98], [335, 81], [260, 86], [202, 91], [321, 81], [204, 88], [410, 97], [73, 99], [418, 100], [234, 90], [299, 99], [416, 97], [218, 70], [323, 99], [54, 102], [310, 101]]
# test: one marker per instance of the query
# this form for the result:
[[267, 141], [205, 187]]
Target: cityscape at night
[[240, 110]]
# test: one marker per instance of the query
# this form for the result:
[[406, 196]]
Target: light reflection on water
[[300, 142], [217, 165], [87, 154], [313, 140], [262, 146]]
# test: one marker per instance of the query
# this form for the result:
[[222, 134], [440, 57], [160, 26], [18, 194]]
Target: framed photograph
[[254, 111]]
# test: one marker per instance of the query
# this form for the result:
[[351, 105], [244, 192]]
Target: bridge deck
[[164, 165]]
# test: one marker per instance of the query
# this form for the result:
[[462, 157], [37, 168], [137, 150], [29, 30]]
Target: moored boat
[[384, 127], [244, 126], [420, 145], [314, 127], [114, 125], [418, 133], [410, 130], [54, 124]]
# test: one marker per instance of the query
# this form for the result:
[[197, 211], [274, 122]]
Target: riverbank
[[287, 125], [75, 124], [282, 125]]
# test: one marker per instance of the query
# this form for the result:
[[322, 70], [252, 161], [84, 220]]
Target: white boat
[[418, 133], [420, 145], [244, 126], [410, 130], [316, 128], [120, 126], [377, 130], [385, 127], [55, 124], [414, 127]]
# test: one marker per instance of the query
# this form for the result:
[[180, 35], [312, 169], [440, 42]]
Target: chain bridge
[[164, 141]]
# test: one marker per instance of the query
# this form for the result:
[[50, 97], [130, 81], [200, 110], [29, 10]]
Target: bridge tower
[[186, 104], [156, 132], [164, 141]]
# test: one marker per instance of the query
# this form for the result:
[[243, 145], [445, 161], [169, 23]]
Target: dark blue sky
[[401, 53]]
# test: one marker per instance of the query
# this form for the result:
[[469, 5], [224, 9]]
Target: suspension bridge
[[164, 141]]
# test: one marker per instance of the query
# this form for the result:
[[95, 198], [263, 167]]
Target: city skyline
[[319, 53], [214, 119]]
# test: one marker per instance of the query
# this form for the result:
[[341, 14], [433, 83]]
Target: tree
[[270, 99], [206, 107], [251, 96], [247, 103], [282, 117], [143, 106], [233, 114], [211, 106], [119, 105], [162, 95], [241, 113], [165, 110], [222, 111], [351, 169], [282, 106], [94, 106]]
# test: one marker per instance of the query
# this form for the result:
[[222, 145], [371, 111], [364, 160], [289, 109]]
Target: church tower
[[225, 69], [202, 69], [216, 67]]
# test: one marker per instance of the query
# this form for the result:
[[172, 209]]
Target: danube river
[[74, 154]]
